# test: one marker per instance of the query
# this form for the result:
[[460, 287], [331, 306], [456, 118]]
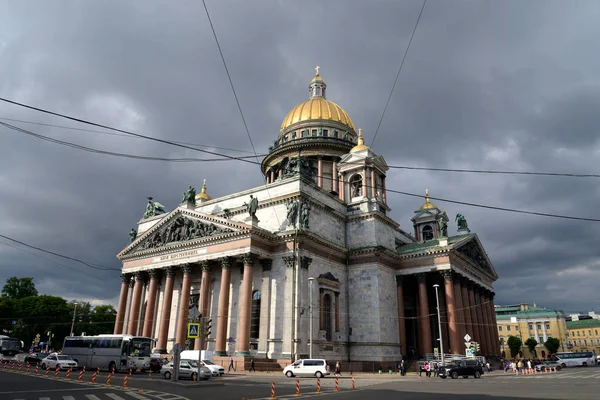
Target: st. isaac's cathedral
[[316, 242]]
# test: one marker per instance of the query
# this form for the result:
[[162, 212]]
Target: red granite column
[[134, 314], [426, 346], [151, 304], [468, 307], [401, 319], [125, 278], [184, 305], [334, 175], [383, 191], [165, 317], [364, 184], [223, 316], [200, 344], [476, 314], [451, 308], [245, 310], [485, 312], [272, 176], [460, 312], [495, 337], [320, 172], [342, 189]]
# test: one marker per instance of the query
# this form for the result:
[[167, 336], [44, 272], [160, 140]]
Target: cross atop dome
[[316, 87], [317, 69]]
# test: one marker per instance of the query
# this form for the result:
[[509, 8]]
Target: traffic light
[[207, 327], [477, 347]]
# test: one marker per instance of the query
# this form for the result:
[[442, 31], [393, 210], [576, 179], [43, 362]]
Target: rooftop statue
[[132, 235], [252, 206], [443, 225], [189, 196], [153, 208], [461, 221]]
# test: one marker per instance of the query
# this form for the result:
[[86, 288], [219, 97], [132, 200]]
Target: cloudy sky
[[499, 85]]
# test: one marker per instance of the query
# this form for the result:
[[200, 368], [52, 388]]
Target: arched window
[[427, 232], [327, 316], [503, 354], [356, 186], [543, 354], [255, 315]]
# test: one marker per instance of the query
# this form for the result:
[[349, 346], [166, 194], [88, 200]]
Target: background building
[[584, 334], [528, 320], [246, 259]]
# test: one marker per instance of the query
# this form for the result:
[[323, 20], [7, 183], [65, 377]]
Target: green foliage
[[552, 344], [40, 314], [18, 288], [514, 344], [531, 343]]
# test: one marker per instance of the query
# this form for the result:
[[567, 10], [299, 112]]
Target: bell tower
[[429, 221]]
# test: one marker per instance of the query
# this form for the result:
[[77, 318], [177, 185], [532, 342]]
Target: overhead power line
[[114, 154], [483, 171], [116, 134], [60, 255], [387, 103], [122, 130]]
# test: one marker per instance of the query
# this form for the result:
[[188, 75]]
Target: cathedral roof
[[428, 204], [361, 144], [432, 245], [203, 195], [317, 107]]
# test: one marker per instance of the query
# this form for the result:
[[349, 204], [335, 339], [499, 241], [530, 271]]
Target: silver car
[[187, 369]]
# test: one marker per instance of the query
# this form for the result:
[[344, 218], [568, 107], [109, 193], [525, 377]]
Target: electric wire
[[122, 130], [387, 103], [115, 154]]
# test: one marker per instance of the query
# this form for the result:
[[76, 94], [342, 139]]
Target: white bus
[[108, 352], [577, 359], [9, 348]]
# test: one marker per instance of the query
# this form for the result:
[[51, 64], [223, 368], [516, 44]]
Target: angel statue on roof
[[461, 221], [153, 208]]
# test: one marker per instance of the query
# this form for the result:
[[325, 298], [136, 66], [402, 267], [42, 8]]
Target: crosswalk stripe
[[136, 395], [44, 398], [91, 397], [68, 398], [114, 396]]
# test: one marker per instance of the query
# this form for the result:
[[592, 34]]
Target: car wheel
[[477, 375], [167, 375], [584, 364], [319, 374], [563, 365], [443, 376], [289, 374], [112, 367], [43, 366], [454, 375]]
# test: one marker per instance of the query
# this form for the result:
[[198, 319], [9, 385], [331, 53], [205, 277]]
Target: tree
[[514, 344], [19, 288], [552, 344], [531, 343]]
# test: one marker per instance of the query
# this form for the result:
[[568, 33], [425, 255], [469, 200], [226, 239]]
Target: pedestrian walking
[[252, 365], [231, 366], [338, 368], [402, 368]]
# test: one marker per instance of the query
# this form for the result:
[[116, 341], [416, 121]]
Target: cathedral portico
[[245, 259]]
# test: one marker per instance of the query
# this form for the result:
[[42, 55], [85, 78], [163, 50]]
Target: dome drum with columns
[[244, 260]]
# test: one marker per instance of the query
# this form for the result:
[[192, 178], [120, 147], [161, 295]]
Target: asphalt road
[[577, 383]]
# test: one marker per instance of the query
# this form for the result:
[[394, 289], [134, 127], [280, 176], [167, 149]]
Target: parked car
[[61, 361], [187, 369], [546, 365], [214, 368], [318, 368], [464, 368]]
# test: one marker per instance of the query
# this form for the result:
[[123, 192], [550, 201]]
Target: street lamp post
[[73, 322], [310, 317], [437, 299]]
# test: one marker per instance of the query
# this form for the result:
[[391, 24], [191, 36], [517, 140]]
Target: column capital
[[187, 268], [249, 258], [457, 278], [170, 271], [447, 274], [305, 262], [421, 277], [267, 264], [226, 262], [131, 283], [205, 265], [399, 280], [141, 276], [154, 274], [289, 261], [125, 278]]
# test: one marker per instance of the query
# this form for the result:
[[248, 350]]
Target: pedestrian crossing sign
[[193, 331], [470, 353]]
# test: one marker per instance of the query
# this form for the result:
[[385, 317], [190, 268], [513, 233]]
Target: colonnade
[[469, 309], [151, 279]]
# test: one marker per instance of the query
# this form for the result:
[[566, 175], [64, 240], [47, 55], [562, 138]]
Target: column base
[[244, 354], [220, 353]]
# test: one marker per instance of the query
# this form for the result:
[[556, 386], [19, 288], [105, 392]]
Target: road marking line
[[91, 397], [137, 396], [68, 398], [114, 396], [44, 398], [48, 390]]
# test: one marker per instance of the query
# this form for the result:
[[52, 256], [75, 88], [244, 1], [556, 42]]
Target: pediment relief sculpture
[[181, 229], [473, 251]]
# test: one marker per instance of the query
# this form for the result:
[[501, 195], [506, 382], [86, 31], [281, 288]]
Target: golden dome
[[428, 204], [203, 196], [361, 143], [317, 108]]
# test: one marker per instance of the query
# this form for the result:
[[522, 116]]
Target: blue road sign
[[193, 331], [470, 353]]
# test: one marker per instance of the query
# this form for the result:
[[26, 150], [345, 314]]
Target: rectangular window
[[596, 331], [590, 332], [508, 328], [325, 132], [517, 328], [499, 329], [314, 132], [539, 326], [547, 326], [572, 333], [530, 327]]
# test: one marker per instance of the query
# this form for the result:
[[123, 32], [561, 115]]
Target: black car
[[464, 368]]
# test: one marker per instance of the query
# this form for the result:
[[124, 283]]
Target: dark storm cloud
[[486, 85]]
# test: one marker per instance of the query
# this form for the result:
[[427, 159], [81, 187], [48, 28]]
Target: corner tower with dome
[[315, 243]]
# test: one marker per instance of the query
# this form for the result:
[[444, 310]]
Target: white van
[[318, 368], [206, 360]]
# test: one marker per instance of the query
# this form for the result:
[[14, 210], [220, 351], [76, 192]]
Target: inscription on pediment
[[474, 252], [181, 229]]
